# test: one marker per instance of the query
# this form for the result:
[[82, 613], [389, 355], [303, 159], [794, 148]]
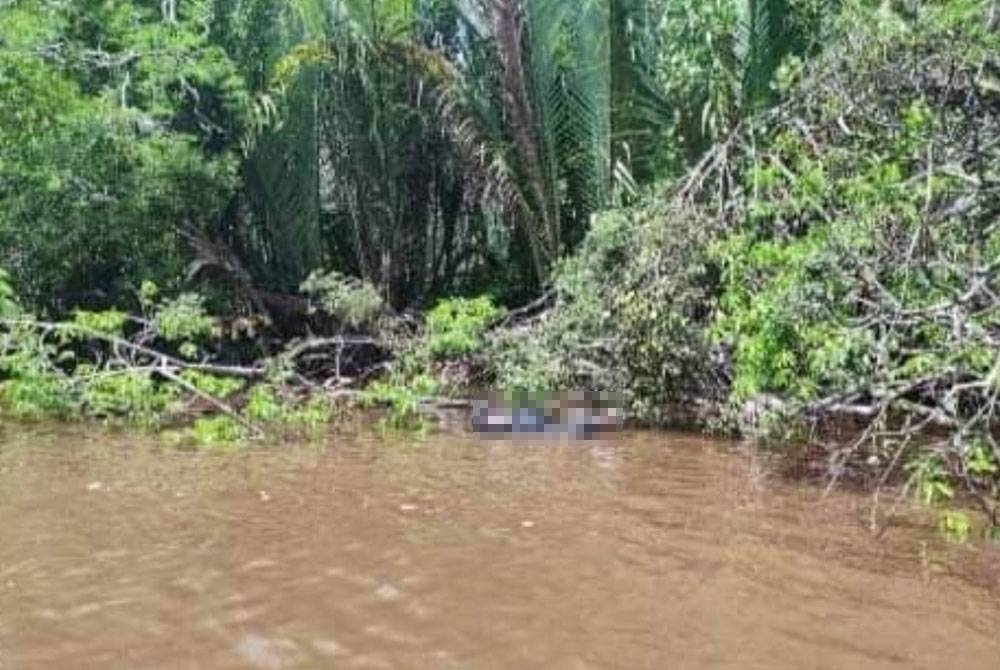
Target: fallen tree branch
[[165, 365]]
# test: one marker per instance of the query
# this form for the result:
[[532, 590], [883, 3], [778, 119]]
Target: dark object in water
[[575, 422]]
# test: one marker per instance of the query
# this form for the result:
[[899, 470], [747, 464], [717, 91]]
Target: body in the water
[[573, 422]]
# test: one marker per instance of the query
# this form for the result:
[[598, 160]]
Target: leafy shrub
[[955, 526], [131, 395], [662, 310], [455, 326], [354, 302], [184, 319], [832, 253], [859, 271], [834, 250], [109, 322], [402, 398], [631, 312], [42, 396], [93, 188], [265, 405], [217, 430], [35, 392], [310, 414], [569, 344], [31, 387], [213, 385], [522, 362], [8, 299], [930, 479]]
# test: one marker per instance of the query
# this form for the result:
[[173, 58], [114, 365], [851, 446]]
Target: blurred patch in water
[[577, 415]]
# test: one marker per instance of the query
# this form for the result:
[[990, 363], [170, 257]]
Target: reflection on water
[[641, 551]]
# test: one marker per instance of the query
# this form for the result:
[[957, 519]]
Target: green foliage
[[217, 430], [184, 319], [830, 235], [720, 60], [109, 322], [37, 397], [630, 315], [30, 386], [930, 480], [354, 302], [568, 63], [9, 307], [311, 414], [809, 257], [213, 385], [769, 288], [548, 355], [82, 368], [148, 293], [402, 398], [663, 311], [522, 362], [422, 146], [33, 392], [955, 526], [89, 368], [858, 267], [129, 395], [265, 405], [361, 171], [455, 326], [114, 128], [980, 459]]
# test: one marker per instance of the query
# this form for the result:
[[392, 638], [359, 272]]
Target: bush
[[842, 271], [354, 302], [31, 387], [217, 430], [455, 326], [92, 191], [265, 405], [402, 397], [570, 344], [861, 272], [839, 257], [183, 319], [630, 315], [128, 395]]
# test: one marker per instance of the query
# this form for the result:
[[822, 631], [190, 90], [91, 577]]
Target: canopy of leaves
[[116, 129]]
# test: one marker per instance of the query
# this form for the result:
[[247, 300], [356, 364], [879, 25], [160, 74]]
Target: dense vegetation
[[773, 216]]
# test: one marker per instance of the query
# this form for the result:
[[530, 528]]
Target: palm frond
[[280, 166], [639, 107], [762, 38]]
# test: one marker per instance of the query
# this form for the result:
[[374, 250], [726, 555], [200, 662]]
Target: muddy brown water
[[637, 551]]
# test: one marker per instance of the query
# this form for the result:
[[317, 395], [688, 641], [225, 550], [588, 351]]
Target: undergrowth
[[833, 262]]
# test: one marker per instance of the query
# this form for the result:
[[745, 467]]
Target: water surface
[[639, 551]]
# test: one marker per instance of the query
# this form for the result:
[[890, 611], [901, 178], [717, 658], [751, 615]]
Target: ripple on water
[[458, 554], [268, 653]]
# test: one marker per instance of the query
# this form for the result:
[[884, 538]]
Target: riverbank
[[832, 260]]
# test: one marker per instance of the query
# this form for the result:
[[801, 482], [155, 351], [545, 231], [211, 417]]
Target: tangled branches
[[861, 267], [171, 364]]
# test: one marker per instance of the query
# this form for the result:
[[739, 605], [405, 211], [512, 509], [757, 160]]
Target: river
[[642, 550]]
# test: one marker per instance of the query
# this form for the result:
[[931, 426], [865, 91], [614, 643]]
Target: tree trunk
[[508, 29]]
